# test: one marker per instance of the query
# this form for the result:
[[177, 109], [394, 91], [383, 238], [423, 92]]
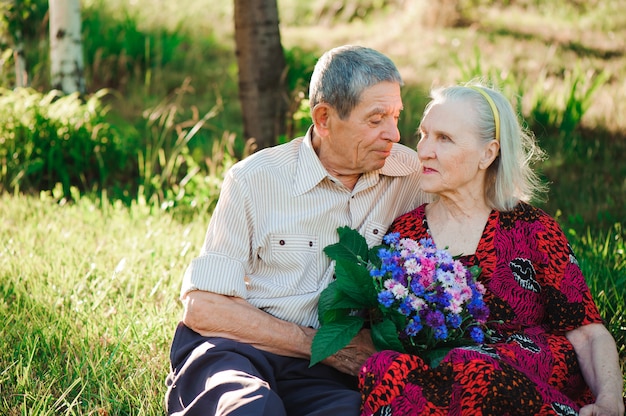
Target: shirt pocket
[[294, 257], [374, 233]]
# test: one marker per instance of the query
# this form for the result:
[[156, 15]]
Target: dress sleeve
[[567, 297]]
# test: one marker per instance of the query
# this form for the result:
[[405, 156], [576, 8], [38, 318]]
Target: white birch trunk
[[66, 52]]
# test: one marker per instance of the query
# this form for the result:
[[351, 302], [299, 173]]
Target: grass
[[88, 300], [88, 291]]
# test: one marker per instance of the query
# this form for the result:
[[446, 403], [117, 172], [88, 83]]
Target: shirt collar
[[311, 172]]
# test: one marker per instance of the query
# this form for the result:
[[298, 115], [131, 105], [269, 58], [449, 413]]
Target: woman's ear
[[321, 116], [492, 150]]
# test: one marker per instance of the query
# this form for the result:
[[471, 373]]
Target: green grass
[[88, 301]]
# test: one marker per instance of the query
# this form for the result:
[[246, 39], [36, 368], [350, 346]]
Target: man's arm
[[597, 356], [214, 315]]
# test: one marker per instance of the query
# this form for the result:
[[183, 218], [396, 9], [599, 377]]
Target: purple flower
[[435, 319]]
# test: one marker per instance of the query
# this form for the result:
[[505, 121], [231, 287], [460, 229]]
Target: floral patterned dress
[[536, 289]]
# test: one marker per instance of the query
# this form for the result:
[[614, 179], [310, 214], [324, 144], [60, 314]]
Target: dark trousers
[[217, 376]]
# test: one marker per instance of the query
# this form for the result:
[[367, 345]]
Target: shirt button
[[281, 242], [375, 231], [310, 243]]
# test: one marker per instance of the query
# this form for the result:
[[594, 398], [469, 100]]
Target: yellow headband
[[494, 109]]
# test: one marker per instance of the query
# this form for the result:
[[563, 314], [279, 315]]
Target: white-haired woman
[[551, 354]]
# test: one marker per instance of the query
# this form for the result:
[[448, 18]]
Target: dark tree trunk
[[261, 70]]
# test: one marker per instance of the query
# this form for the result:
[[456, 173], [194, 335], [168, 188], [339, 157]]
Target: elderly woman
[[551, 354]]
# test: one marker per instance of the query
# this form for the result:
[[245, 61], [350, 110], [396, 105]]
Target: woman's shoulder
[[525, 215]]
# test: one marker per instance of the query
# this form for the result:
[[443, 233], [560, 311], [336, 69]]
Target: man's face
[[362, 142]]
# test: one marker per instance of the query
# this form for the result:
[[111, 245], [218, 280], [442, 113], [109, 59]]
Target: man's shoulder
[[269, 158], [402, 161], [404, 154]]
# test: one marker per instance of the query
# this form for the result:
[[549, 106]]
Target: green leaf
[[385, 337], [356, 283], [333, 336], [434, 356], [332, 315], [333, 304], [373, 255], [351, 246]]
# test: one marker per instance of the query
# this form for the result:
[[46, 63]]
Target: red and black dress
[[535, 287]]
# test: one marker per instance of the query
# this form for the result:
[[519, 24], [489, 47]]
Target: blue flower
[[386, 298], [477, 334], [405, 307], [441, 332], [413, 327], [391, 238], [454, 320], [417, 288]]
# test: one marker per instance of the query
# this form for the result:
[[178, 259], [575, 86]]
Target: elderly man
[[250, 298]]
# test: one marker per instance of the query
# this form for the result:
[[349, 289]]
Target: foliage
[[49, 138], [602, 258], [173, 174], [118, 51]]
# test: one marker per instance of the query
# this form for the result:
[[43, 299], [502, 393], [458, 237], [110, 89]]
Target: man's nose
[[392, 133]]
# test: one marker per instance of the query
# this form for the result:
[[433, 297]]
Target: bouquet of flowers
[[415, 297]]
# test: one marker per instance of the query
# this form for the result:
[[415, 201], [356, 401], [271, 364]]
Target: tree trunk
[[21, 73], [66, 52], [261, 68]]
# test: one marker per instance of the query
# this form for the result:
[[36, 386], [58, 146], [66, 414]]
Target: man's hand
[[350, 359]]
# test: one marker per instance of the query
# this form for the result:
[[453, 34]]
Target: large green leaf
[[351, 246], [333, 336], [356, 283], [334, 304], [385, 337]]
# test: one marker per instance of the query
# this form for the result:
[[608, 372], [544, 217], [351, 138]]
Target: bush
[[47, 139]]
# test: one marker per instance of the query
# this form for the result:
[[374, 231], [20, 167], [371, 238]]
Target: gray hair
[[510, 178], [343, 73]]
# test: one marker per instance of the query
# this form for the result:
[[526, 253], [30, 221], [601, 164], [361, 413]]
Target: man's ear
[[321, 118], [492, 150]]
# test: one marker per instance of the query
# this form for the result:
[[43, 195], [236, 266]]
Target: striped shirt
[[277, 211]]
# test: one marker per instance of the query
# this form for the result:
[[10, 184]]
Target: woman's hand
[[599, 362], [599, 409]]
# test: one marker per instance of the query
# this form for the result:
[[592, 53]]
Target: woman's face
[[451, 153]]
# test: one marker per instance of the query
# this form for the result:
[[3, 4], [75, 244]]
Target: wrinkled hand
[[350, 359], [602, 409]]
